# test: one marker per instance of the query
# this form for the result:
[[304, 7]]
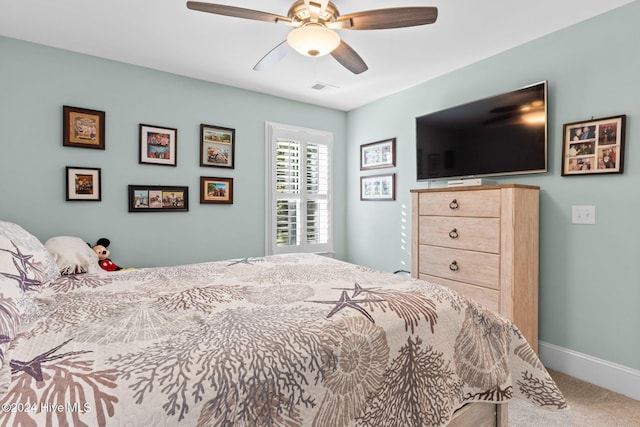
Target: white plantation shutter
[[317, 224], [299, 207], [287, 191]]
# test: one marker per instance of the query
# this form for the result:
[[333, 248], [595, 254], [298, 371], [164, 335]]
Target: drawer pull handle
[[454, 205], [454, 266], [454, 233]]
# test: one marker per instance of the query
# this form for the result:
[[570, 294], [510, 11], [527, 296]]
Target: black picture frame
[[217, 146], [378, 187], [376, 155], [158, 145], [83, 184], [216, 190], [83, 127], [158, 198], [594, 146]]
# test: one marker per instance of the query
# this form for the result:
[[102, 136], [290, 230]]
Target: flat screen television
[[504, 134]]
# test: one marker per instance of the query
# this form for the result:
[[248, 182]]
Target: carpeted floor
[[589, 406]]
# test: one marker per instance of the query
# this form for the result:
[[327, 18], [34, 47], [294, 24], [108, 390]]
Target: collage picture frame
[[380, 154], [158, 198], [594, 146], [217, 146], [378, 187]]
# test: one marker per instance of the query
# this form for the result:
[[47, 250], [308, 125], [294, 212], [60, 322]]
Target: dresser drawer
[[490, 298], [478, 268], [478, 203], [476, 234]]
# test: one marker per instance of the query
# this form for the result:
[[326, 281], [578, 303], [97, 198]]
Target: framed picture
[[83, 184], [82, 127], [594, 146], [381, 154], [217, 146], [216, 190], [158, 145], [378, 187], [158, 198]]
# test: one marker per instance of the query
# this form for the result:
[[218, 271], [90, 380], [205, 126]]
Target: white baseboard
[[609, 375]]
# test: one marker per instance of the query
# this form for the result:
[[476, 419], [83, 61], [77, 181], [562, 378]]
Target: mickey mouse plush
[[105, 263]]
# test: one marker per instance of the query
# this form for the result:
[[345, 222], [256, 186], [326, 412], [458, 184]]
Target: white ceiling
[[165, 35]]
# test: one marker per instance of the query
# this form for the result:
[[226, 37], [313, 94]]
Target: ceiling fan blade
[[275, 55], [380, 19], [349, 59], [236, 12]]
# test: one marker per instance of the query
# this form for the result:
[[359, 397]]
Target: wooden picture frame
[[217, 146], [158, 198], [83, 184], [378, 187], [216, 190], [593, 146], [158, 145], [380, 154], [82, 127]]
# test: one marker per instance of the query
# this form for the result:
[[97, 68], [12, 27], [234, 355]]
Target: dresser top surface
[[475, 188]]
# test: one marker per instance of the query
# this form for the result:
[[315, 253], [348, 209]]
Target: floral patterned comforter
[[295, 340]]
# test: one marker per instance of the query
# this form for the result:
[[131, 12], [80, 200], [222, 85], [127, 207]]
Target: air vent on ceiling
[[324, 87]]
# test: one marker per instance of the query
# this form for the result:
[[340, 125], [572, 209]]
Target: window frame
[[273, 133]]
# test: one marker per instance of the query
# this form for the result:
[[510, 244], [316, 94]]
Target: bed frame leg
[[502, 415]]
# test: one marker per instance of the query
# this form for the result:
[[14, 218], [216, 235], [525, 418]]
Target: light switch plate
[[583, 214]]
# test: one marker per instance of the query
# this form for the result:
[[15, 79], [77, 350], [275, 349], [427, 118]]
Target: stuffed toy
[[104, 262]]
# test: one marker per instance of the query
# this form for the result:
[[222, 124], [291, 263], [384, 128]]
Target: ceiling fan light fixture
[[313, 39]]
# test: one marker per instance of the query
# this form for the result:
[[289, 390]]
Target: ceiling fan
[[314, 23]]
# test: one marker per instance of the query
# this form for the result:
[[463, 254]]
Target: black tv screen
[[500, 135]]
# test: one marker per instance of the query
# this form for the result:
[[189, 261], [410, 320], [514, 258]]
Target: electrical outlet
[[583, 214]]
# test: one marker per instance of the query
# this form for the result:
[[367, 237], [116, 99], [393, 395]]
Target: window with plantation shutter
[[299, 205]]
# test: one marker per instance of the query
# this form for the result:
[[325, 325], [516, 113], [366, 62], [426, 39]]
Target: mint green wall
[[589, 275], [36, 81]]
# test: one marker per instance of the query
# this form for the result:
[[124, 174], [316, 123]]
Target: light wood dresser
[[481, 241]]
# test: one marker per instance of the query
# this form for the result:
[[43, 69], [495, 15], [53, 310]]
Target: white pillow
[[72, 255], [25, 267], [24, 259]]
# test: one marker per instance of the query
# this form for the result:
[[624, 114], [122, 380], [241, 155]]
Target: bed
[[287, 340]]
